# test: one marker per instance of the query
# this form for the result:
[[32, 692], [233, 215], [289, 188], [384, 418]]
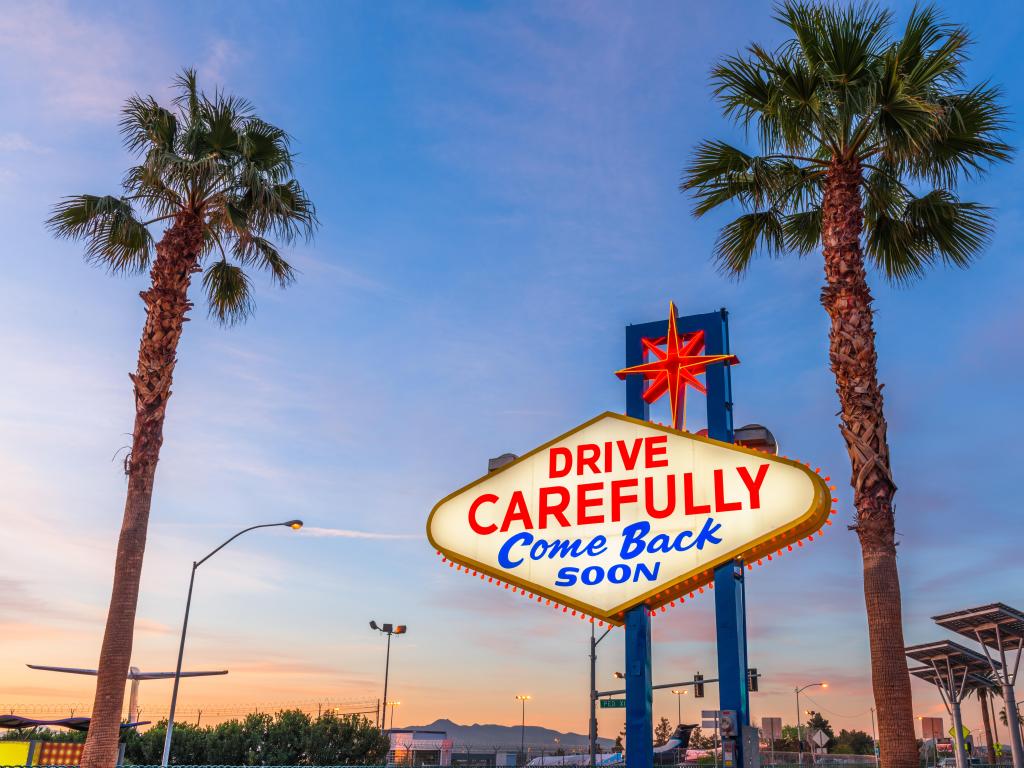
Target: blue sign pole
[[730, 609], [730, 599], [639, 695]]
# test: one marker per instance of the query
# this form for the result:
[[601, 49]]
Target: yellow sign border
[[807, 523]]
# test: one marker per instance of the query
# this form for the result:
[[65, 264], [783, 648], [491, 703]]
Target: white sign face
[[620, 512]]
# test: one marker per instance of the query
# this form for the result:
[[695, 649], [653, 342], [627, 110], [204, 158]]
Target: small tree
[[854, 743], [662, 731], [345, 740]]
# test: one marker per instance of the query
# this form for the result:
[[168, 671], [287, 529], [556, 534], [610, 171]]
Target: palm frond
[[931, 52], [801, 231], [261, 253], [721, 173], [740, 240], [267, 149], [145, 124], [228, 292], [935, 227], [112, 234], [967, 140], [748, 95], [283, 209], [906, 121]]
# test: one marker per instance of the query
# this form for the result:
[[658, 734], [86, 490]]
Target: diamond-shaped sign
[[619, 512]]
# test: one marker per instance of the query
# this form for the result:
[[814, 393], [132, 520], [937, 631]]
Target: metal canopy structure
[[134, 674], [975, 681], [17, 722], [953, 669], [999, 630]]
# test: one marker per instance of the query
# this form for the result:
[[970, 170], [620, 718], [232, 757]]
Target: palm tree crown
[[208, 158], [842, 92]]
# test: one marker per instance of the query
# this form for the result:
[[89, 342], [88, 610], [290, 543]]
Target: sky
[[497, 186]]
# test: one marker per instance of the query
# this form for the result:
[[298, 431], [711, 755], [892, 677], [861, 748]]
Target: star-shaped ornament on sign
[[675, 367]]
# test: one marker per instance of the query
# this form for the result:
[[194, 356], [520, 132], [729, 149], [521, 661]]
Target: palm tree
[[986, 722], [863, 140], [220, 181]]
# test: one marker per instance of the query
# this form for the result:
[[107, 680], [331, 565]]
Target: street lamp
[[522, 733], [799, 719], [294, 525], [389, 630], [393, 704], [594, 640], [679, 692]]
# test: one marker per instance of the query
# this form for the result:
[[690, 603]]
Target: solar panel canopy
[[990, 624]]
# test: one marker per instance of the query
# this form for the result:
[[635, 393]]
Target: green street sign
[[613, 703]]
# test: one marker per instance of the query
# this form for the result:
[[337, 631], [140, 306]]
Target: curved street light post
[[165, 758], [799, 719]]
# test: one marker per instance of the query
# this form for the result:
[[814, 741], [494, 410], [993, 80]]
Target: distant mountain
[[492, 736]]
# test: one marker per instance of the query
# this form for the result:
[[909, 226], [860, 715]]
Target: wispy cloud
[[16, 142], [344, 533]]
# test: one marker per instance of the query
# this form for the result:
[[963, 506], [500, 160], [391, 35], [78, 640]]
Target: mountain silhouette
[[493, 736]]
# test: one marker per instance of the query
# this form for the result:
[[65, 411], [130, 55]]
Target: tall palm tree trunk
[[167, 304], [847, 300], [987, 722]]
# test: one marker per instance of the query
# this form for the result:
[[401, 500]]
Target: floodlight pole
[[387, 668], [522, 732], [389, 630]]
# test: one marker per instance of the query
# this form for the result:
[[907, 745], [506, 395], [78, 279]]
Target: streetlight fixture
[[799, 719], [389, 630], [393, 704], [522, 733], [594, 640], [679, 692], [294, 525]]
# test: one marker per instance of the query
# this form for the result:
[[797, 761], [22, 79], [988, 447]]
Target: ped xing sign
[[613, 703], [620, 512]]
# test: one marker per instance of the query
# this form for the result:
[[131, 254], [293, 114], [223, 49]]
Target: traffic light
[[698, 686], [752, 679]]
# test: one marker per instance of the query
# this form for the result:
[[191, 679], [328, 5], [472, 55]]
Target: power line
[[836, 714]]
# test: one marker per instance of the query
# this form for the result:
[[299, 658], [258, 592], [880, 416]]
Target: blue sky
[[497, 187]]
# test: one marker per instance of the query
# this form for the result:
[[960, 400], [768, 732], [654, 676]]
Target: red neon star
[[676, 367]]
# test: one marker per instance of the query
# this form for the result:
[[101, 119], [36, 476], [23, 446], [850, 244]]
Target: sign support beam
[[730, 604], [639, 697]]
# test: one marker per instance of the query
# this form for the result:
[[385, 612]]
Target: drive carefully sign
[[619, 512]]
